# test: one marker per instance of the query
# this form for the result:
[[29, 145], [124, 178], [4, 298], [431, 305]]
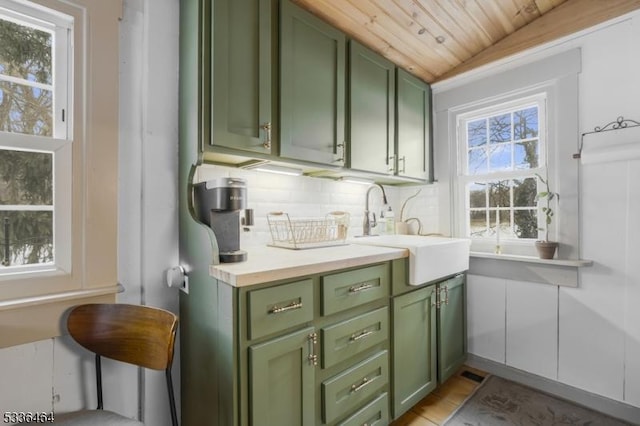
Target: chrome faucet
[[370, 218]]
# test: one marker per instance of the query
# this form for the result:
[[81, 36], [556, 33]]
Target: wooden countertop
[[266, 264]]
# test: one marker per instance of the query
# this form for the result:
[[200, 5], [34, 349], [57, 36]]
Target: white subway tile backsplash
[[312, 197]]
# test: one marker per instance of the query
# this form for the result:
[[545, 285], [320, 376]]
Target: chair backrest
[[135, 334]]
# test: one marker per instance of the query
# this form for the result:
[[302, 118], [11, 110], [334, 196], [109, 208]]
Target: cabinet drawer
[[343, 393], [375, 413], [346, 290], [347, 338], [277, 308]]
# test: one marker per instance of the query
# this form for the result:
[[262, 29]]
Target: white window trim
[[483, 109], [32, 305], [556, 75]]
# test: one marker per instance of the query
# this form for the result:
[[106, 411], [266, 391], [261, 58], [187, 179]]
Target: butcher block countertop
[[266, 263]]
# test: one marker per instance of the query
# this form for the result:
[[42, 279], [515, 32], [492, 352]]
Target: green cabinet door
[[312, 87], [414, 348], [282, 380], [413, 126], [242, 74], [452, 336], [371, 110]]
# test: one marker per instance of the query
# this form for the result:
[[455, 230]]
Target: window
[[58, 161], [502, 149], [35, 144]]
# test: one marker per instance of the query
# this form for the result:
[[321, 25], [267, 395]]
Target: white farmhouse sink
[[430, 258]]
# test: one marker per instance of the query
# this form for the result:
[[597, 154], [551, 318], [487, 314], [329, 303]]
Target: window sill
[[560, 272], [31, 319], [59, 297], [578, 263]]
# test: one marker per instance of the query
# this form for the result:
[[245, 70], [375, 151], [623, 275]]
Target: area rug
[[500, 402]]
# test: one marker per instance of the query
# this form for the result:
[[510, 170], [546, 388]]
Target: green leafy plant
[[547, 195]]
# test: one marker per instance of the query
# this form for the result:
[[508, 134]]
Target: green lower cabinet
[[414, 348], [452, 336], [345, 392], [282, 380], [376, 413]]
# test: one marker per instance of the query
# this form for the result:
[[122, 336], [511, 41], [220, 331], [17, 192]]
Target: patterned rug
[[500, 402]]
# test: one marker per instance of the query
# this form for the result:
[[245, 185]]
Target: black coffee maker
[[218, 204]]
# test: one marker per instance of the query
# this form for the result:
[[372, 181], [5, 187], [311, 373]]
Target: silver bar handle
[[313, 340], [446, 295], [340, 155], [437, 303], [404, 163], [355, 337], [290, 307], [366, 381], [267, 135], [392, 165], [360, 287]]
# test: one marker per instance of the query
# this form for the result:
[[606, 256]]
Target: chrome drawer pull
[[291, 306], [446, 295], [361, 335], [360, 287], [366, 381]]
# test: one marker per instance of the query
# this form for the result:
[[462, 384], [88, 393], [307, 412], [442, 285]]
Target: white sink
[[430, 258]]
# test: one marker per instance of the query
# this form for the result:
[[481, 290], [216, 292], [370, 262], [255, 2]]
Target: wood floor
[[439, 404]]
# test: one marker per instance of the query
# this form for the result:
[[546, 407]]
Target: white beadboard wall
[[586, 337], [312, 197]]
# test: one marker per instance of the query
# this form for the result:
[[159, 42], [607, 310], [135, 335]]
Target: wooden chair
[[135, 334]]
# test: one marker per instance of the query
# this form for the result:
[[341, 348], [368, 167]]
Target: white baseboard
[[608, 406]]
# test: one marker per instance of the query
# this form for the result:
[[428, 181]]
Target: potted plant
[[546, 249]]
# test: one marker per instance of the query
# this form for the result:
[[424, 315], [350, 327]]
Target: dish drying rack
[[308, 233]]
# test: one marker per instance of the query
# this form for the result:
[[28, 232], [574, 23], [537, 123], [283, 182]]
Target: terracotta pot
[[546, 249]]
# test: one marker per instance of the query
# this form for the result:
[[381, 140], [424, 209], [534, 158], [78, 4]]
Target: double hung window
[[502, 150], [35, 139]]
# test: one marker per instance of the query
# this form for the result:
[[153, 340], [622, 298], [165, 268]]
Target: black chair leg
[[99, 381], [172, 400]]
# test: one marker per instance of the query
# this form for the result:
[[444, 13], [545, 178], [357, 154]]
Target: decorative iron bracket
[[619, 123]]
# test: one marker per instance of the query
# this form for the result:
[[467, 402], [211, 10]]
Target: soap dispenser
[[390, 222]]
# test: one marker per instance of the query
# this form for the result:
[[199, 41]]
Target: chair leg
[[99, 381], [172, 400]]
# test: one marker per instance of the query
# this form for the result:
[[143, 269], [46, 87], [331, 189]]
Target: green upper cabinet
[[413, 126], [371, 110], [452, 336], [312, 88], [243, 74]]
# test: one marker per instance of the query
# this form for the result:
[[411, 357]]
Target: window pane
[[500, 128], [500, 158], [25, 106], [478, 223], [499, 194], [526, 155], [526, 223], [26, 109], [26, 237], [477, 195], [25, 52], [477, 161], [477, 133], [524, 192], [26, 178], [525, 123]]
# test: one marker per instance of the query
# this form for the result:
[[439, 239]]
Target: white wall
[[586, 337], [54, 374]]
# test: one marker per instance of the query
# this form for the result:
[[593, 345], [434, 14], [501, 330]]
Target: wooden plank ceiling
[[434, 38]]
